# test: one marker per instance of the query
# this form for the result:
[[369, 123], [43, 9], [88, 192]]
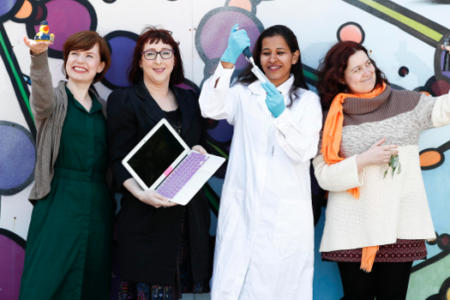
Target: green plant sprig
[[394, 165]]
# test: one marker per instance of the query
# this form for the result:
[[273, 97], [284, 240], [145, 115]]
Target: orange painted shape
[[25, 11], [430, 158], [244, 4], [351, 33]]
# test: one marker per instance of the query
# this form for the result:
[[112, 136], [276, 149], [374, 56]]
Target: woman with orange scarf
[[377, 217]]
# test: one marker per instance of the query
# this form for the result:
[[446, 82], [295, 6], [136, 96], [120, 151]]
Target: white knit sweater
[[391, 207]]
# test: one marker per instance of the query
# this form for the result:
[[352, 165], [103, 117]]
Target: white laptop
[[163, 162]]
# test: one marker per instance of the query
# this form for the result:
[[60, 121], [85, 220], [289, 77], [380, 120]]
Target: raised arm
[[41, 100], [215, 99]]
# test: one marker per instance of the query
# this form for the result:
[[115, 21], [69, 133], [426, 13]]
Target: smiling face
[[359, 76], [158, 70], [83, 65], [277, 59]]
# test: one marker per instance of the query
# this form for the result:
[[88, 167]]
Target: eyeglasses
[[152, 54]]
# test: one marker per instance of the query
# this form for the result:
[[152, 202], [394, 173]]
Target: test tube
[[255, 70]]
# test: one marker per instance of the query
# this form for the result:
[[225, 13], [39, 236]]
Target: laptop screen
[[156, 155]]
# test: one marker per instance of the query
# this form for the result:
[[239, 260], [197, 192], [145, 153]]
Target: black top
[[149, 237], [174, 118]]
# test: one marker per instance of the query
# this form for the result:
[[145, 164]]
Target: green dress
[[68, 251]]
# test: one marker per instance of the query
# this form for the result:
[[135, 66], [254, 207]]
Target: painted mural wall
[[404, 37]]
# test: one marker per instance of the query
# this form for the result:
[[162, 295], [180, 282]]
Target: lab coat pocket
[[294, 232], [231, 223]]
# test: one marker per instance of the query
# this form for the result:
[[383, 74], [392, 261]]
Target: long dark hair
[[154, 35], [247, 76], [332, 70]]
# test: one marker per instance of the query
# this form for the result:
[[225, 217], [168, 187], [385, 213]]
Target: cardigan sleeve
[[122, 133], [217, 100], [337, 177], [298, 131], [41, 99]]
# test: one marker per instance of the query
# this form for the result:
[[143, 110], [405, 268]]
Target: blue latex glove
[[237, 42], [274, 99]]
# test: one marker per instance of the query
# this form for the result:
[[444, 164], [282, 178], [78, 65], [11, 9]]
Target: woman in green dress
[[69, 238]]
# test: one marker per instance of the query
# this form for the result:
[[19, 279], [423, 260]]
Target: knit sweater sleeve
[[41, 100], [337, 177], [440, 115], [433, 111]]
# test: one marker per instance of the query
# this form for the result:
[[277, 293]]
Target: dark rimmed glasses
[[152, 54]]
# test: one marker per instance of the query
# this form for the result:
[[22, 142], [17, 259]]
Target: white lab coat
[[265, 232]]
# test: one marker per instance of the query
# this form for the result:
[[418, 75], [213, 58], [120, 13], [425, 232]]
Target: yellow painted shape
[[423, 29]]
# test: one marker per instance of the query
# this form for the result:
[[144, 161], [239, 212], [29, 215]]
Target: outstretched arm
[[41, 81]]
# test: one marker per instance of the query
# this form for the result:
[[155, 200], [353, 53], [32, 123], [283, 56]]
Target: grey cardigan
[[49, 107]]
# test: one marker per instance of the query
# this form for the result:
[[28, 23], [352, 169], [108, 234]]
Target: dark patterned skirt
[[401, 251]]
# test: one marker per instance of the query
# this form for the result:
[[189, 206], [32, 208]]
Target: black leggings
[[387, 281]]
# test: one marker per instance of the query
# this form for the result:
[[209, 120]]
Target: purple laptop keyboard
[[181, 174]]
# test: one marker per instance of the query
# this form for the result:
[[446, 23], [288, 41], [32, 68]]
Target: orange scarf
[[331, 143]]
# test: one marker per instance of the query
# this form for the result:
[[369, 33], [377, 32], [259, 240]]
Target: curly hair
[[331, 71]]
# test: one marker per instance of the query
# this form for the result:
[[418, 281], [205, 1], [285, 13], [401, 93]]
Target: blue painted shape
[[216, 184], [327, 283], [223, 132], [6, 6], [122, 48], [17, 158], [437, 184]]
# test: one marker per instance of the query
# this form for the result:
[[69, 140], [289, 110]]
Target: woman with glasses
[[163, 248]]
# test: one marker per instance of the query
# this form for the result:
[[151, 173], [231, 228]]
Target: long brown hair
[[331, 71]]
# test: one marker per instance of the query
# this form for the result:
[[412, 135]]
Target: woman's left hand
[[199, 149], [274, 99]]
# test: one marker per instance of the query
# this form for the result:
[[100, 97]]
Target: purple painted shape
[[17, 157], [6, 6], [214, 33], [445, 73], [66, 17], [222, 132], [122, 48], [12, 257]]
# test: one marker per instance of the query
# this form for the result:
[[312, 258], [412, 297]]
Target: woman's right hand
[[237, 42], [376, 155], [36, 47], [155, 199]]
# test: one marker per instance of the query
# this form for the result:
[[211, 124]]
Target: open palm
[[36, 47]]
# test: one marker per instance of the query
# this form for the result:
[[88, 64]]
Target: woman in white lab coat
[[265, 233]]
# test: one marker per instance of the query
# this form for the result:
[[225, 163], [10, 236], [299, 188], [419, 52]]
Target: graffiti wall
[[403, 36]]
